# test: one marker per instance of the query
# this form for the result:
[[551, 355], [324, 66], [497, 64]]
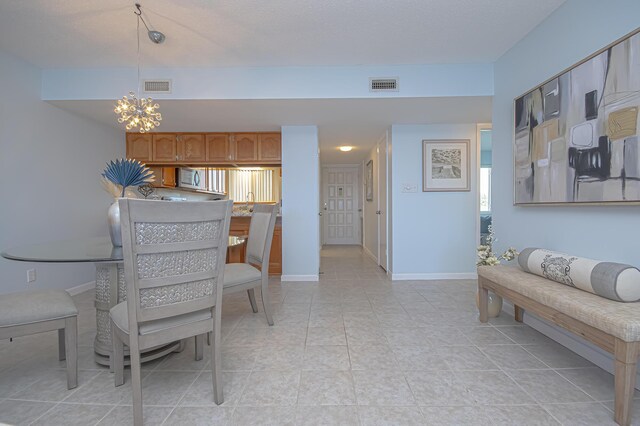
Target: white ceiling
[[356, 122], [249, 33], [223, 33]]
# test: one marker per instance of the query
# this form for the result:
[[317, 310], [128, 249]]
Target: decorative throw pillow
[[615, 281]]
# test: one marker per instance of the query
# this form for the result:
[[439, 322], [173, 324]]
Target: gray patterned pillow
[[615, 281]]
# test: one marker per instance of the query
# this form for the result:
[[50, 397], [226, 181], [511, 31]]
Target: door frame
[[383, 205], [358, 187], [480, 127]]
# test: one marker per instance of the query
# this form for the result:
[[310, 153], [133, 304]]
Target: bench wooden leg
[[483, 302], [518, 312], [626, 355]]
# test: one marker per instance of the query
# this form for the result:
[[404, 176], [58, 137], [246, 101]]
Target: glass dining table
[[110, 289]]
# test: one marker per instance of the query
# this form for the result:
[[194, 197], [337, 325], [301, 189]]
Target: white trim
[[569, 340], [436, 276], [368, 253], [81, 288], [479, 127], [340, 165], [299, 278]]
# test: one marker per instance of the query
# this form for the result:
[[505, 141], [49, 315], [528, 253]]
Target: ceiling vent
[[157, 86], [384, 84]]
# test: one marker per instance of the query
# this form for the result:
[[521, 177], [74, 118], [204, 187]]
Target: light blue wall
[[434, 233], [574, 31], [50, 165], [300, 195], [273, 83]]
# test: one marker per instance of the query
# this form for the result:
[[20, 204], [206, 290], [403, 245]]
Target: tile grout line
[[46, 412], [106, 414]]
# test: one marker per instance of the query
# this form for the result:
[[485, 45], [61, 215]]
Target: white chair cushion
[[120, 318], [35, 306], [240, 273]]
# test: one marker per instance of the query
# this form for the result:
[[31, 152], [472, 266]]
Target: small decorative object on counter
[[146, 190], [486, 257], [116, 178]]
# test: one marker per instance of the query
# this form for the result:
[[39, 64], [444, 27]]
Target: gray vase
[[113, 217]]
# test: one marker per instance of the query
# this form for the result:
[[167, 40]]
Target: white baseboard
[[81, 288], [368, 253], [299, 278], [436, 276], [570, 341]]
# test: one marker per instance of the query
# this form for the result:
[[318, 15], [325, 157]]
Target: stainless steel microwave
[[193, 178]]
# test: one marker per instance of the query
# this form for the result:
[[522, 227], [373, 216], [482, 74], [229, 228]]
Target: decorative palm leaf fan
[[127, 172]]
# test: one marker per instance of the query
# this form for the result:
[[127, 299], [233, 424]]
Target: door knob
[[320, 214]]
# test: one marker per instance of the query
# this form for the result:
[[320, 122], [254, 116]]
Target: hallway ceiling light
[[133, 110], [346, 148]]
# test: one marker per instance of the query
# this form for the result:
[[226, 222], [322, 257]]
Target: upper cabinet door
[[192, 148], [139, 147], [164, 147], [246, 145], [269, 147], [218, 148]]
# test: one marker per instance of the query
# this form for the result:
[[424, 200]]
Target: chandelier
[[137, 112]]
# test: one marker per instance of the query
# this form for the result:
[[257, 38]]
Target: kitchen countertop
[[243, 212]]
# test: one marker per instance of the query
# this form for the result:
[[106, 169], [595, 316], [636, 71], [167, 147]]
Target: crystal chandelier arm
[[136, 111]]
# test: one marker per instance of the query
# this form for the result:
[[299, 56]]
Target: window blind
[[257, 182], [217, 181]]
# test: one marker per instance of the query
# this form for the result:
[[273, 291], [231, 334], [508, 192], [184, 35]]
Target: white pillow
[[615, 281]]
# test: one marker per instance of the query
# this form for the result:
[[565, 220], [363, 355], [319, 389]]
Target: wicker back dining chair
[[174, 255], [245, 276]]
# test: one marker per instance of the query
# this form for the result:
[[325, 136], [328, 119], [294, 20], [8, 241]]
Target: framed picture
[[576, 134], [369, 181], [445, 165]]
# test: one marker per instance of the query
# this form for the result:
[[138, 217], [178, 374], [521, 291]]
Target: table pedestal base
[[111, 290], [102, 354]]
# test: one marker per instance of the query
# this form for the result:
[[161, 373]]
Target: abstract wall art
[[576, 135], [445, 165]]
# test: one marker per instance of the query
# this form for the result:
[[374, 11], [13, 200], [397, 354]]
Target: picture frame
[[369, 181], [445, 165], [576, 136]]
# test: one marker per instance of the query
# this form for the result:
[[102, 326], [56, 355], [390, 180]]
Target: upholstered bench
[[613, 326], [38, 311]]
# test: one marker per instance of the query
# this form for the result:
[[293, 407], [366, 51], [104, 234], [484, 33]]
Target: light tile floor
[[353, 349]]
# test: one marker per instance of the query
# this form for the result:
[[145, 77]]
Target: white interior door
[[382, 203], [340, 205]]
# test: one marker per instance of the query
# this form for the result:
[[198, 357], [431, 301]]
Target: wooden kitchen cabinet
[[269, 147], [165, 177], [218, 147], [165, 148], [192, 148], [245, 146], [212, 149], [240, 227], [275, 258], [139, 146]]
